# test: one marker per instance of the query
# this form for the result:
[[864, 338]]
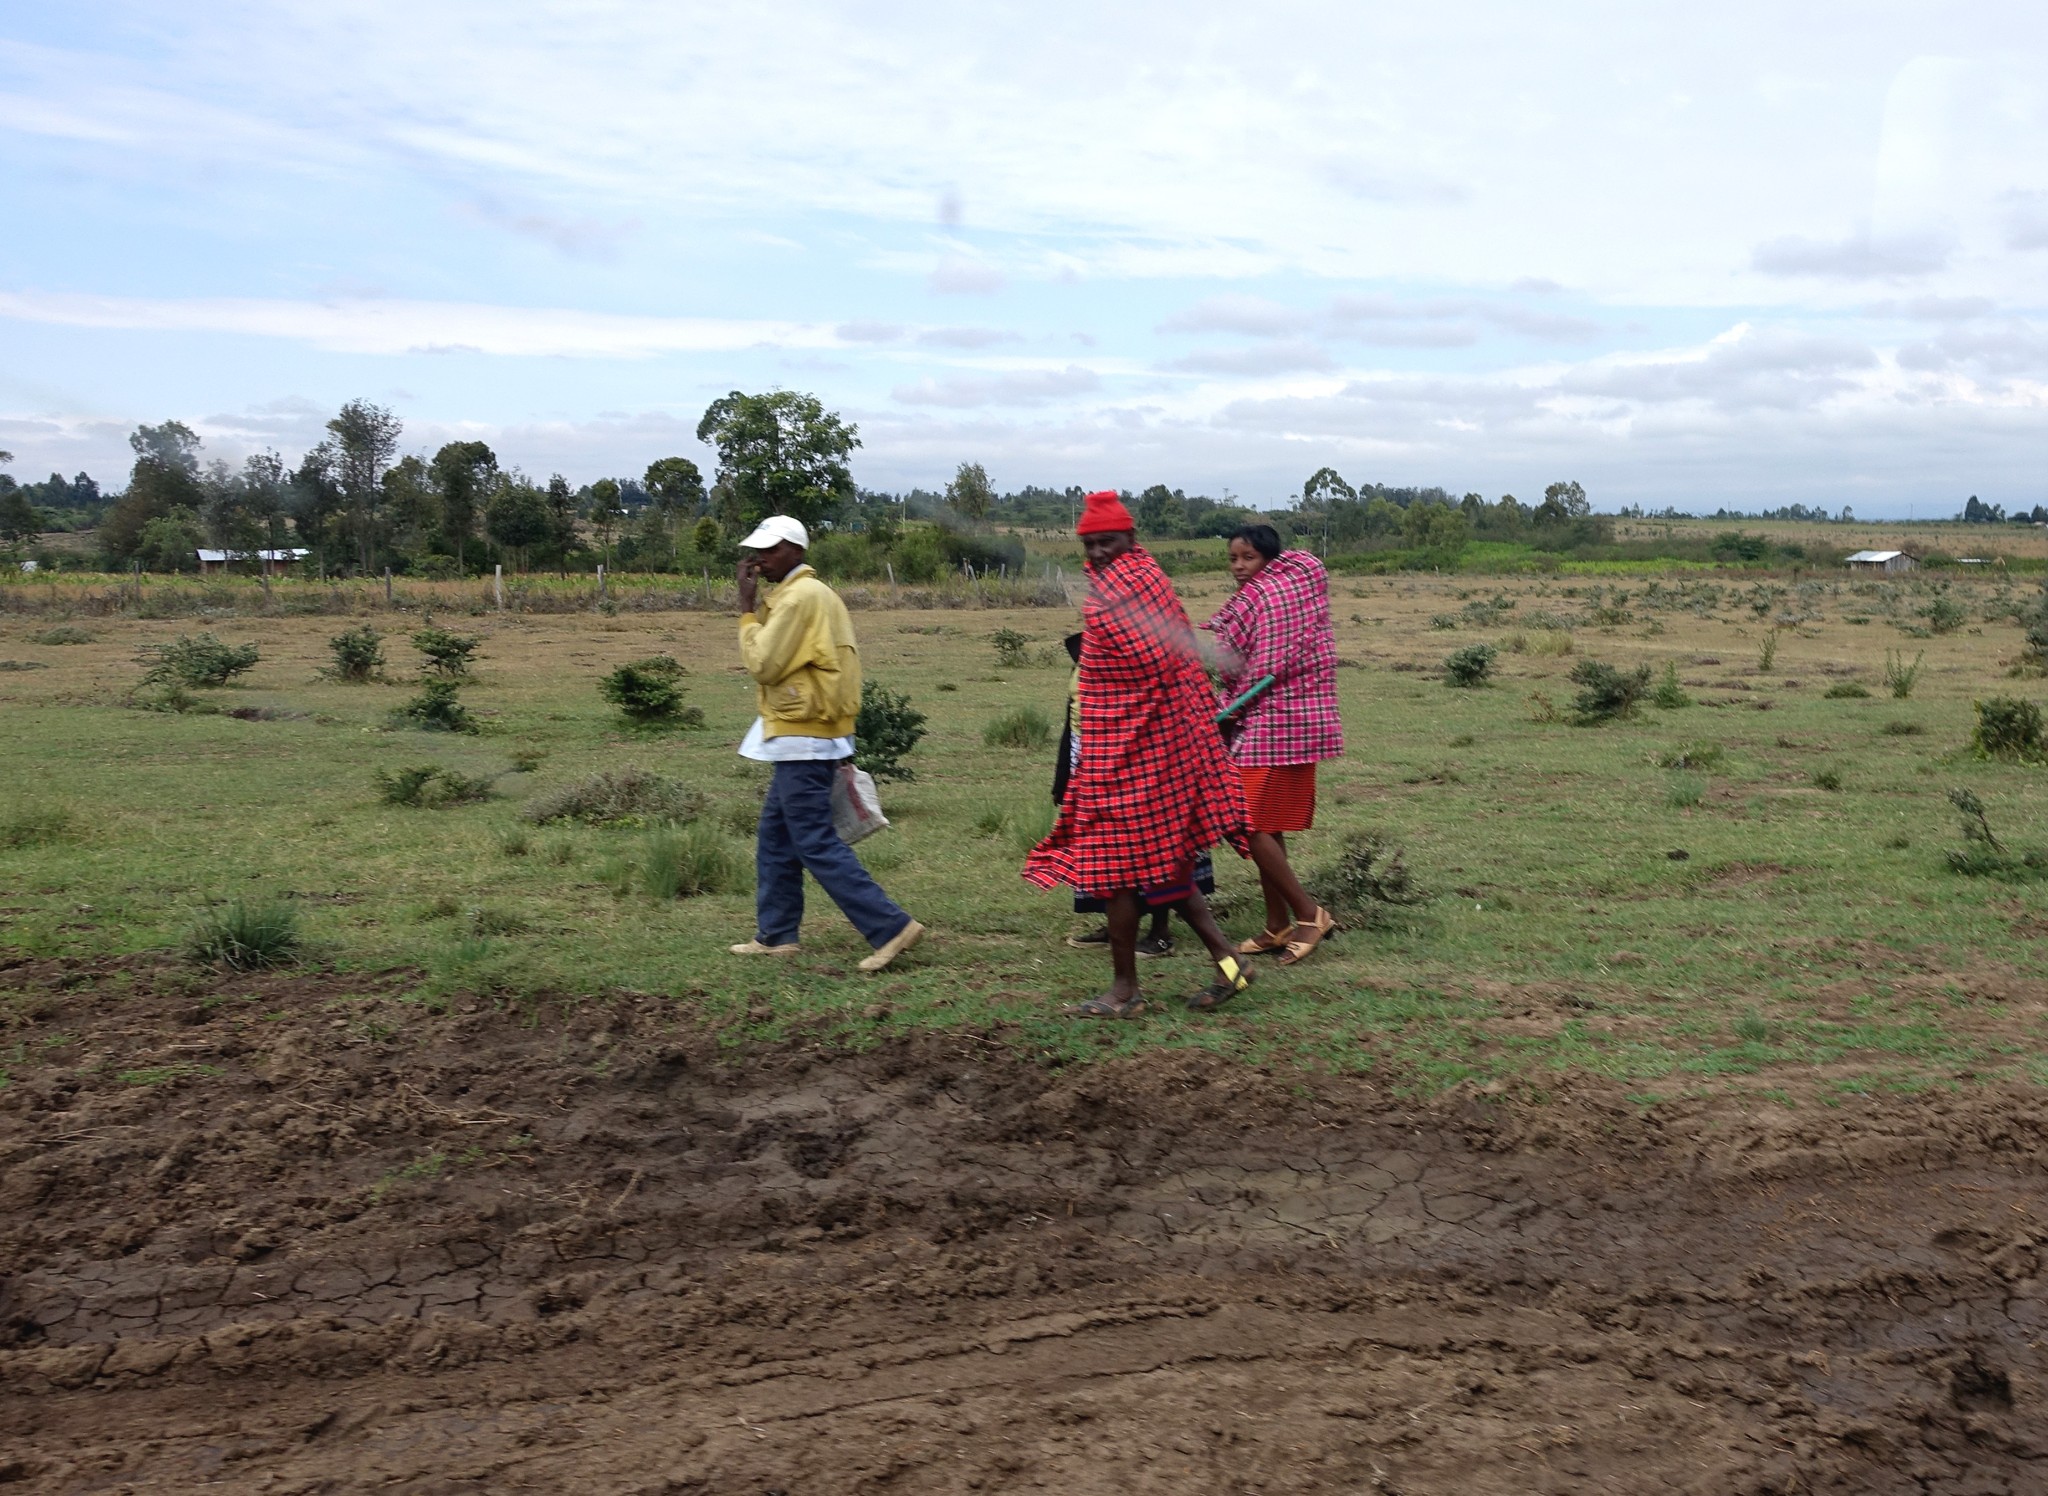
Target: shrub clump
[[1899, 677], [1369, 878], [1012, 648], [2007, 728], [1693, 756], [196, 660], [436, 709], [1026, 727], [1982, 854], [650, 692], [887, 728], [681, 864], [447, 654], [1469, 667], [1606, 693], [1846, 690], [64, 633], [1670, 696], [246, 936], [358, 654], [619, 797], [433, 786]]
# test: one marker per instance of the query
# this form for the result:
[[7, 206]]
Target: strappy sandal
[[1266, 944], [1318, 928], [1232, 978], [1108, 1007]]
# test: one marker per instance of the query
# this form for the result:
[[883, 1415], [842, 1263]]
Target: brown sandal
[[1299, 950], [1260, 945]]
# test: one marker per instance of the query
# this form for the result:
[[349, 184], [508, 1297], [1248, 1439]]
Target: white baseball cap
[[775, 529]]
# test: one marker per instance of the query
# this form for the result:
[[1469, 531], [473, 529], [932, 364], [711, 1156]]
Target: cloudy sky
[[1742, 254]]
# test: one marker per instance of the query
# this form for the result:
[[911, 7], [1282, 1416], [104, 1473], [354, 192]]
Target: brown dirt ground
[[284, 1234]]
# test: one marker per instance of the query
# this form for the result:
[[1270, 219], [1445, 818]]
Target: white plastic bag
[[856, 809]]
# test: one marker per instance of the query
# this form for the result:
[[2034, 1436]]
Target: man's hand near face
[[750, 583]]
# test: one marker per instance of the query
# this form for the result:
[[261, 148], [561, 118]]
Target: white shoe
[[755, 948], [895, 946]]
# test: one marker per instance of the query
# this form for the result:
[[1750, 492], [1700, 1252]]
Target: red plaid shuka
[[1278, 624], [1154, 788]]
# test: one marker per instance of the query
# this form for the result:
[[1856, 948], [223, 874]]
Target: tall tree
[[363, 439], [1162, 511], [517, 517], [780, 453], [561, 502], [18, 518], [164, 481], [1563, 502], [675, 488], [969, 494], [412, 504], [605, 512], [465, 474]]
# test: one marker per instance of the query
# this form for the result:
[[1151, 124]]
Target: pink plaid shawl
[[1278, 624]]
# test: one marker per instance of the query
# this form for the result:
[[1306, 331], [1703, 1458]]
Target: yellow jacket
[[799, 648]]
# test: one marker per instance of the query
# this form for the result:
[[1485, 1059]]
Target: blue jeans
[[796, 833]]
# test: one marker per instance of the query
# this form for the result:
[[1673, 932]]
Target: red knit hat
[[1102, 512]]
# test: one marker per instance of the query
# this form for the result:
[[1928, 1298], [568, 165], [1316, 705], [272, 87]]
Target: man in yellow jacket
[[806, 667]]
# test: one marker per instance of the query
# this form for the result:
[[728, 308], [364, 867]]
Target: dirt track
[[285, 1237]]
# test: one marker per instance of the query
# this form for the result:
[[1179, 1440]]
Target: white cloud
[[961, 275], [1859, 257], [1019, 387], [1287, 357], [395, 326]]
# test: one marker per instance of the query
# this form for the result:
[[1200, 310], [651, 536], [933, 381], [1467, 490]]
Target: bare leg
[[1161, 918], [1123, 945], [1195, 910], [1287, 902]]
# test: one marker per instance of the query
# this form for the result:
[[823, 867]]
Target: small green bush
[[436, 709], [1369, 878], [618, 797], [1032, 825], [1828, 779], [1686, 790], [1693, 756], [1025, 727], [1767, 653], [447, 654], [358, 653], [1012, 648], [1899, 676], [1607, 693], [990, 820], [246, 936], [1469, 667], [13, 666], [1904, 729], [1944, 614], [1670, 696], [695, 860], [2007, 728], [196, 660], [650, 692], [1846, 690], [887, 728], [1982, 854], [64, 633], [432, 786], [34, 826]]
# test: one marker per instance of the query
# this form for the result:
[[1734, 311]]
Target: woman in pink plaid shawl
[[1278, 625]]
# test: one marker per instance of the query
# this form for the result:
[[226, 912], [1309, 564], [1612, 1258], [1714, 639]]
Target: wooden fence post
[[600, 585], [387, 587], [498, 585]]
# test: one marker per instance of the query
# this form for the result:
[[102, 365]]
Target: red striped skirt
[[1281, 797]]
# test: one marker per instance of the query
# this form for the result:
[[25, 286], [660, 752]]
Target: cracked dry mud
[[288, 1236]]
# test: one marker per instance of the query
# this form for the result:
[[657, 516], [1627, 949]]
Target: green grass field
[[1735, 922]]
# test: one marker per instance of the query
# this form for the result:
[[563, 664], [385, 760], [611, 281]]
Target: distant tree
[[170, 542], [1324, 485], [675, 488], [315, 499], [561, 502], [704, 539], [1562, 503], [969, 494], [518, 517], [362, 441], [1162, 511], [412, 504], [164, 480], [780, 453], [1473, 507], [464, 473], [605, 513]]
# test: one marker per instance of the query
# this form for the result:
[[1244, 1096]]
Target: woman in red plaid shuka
[[1154, 788]]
